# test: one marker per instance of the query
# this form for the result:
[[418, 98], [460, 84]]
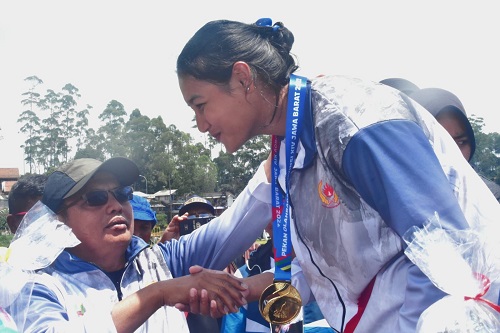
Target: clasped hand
[[216, 293]]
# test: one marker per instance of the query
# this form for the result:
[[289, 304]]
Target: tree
[[51, 122], [235, 170], [31, 122], [68, 115], [486, 159], [81, 130], [51, 129], [113, 117], [166, 156], [138, 139]]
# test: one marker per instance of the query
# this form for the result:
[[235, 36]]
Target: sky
[[127, 50]]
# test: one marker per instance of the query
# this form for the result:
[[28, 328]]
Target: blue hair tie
[[267, 22]]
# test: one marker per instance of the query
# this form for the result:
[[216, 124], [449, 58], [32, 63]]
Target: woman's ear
[[242, 74]]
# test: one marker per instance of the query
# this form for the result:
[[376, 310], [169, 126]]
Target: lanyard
[[297, 91]]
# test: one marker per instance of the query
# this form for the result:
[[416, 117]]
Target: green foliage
[[235, 170], [50, 122], [3, 220], [167, 157], [5, 239], [162, 220], [5, 235], [486, 159]]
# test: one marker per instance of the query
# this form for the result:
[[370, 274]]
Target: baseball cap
[[72, 177], [142, 209], [436, 100], [196, 201]]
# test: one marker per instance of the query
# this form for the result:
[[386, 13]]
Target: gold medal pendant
[[280, 303]]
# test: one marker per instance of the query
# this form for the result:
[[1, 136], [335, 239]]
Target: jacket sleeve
[[215, 244], [40, 298], [395, 170]]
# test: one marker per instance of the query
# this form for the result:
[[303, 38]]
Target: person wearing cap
[[198, 206], [144, 218], [195, 206], [113, 281]]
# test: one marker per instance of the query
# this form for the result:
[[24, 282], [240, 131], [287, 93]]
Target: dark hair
[[26, 188], [212, 51]]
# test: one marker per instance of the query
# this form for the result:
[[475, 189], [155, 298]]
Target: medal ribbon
[[297, 92]]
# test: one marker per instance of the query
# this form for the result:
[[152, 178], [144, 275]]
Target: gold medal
[[280, 303]]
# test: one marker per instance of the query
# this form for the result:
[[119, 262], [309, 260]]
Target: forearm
[[130, 313], [257, 284]]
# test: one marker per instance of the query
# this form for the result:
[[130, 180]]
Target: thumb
[[195, 269]]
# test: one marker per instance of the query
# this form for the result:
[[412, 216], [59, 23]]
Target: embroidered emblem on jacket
[[328, 196], [82, 311]]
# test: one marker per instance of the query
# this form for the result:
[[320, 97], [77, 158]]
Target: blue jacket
[[371, 164]]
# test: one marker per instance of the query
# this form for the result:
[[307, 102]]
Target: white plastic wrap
[[464, 264], [40, 238]]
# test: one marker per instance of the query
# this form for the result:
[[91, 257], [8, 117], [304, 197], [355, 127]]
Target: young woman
[[356, 163]]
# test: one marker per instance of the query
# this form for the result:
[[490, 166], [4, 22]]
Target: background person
[[197, 206], [194, 207], [23, 195], [114, 281], [449, 111], [354, 192], [405, 86], [144, 218]]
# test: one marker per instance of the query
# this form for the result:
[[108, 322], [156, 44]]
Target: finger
[[194, 301], [218, 308], [231, 293], [235, 288], [214, 310], [224, 288], [204, 303], [195, 269], [231, 281]]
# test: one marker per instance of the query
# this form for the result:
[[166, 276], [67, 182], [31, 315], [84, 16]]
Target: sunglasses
[[100, 197]]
